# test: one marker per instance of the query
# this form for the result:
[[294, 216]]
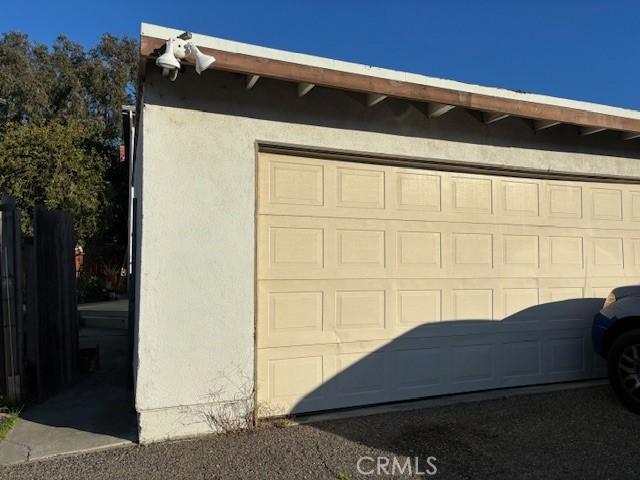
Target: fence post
[[11, 301], [32, 371]]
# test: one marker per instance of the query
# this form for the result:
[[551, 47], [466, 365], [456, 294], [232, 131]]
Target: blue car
[[616, 337]]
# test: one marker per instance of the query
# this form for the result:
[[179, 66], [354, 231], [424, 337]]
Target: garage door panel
[[516, 300], [310, 247], [607, 254], [295, 312], [296, 247], [634, 205], [633, 254], [292, 183], [471, 195], [472, 304], [600, 291], [293, 378], [605, 204], [379, 283], [415, 380], [472, 252], [310, 187], [418, 307], [419, 191], [360, 249], [418, 250], [472, 364], [519, 254], [519, 198], [360, 188], [566, 355], [360, 309], [422, 310], [565, 252], [325, 311], [564, 201], [522, 359], [363, 373]]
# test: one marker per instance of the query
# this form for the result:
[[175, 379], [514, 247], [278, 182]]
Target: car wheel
[[624, 369]]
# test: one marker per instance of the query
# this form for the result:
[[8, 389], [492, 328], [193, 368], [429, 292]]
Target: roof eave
[[368, 84]]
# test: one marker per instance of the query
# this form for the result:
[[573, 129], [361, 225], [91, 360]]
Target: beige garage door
[[378, 283]]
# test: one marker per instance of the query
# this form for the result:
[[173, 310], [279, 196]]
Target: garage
[[379, 283], [312, 234]]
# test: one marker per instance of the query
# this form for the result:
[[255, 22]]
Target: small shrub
[[8, 418], [91, 288], [239, 413]]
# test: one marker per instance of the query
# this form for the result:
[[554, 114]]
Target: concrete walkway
[[111, 314], [95, 413], [109, 306]]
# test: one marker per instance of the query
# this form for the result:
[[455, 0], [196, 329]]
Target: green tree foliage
[[60, 128], [57, 165]]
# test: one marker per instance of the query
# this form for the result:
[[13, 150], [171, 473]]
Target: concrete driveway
[[579, 433]]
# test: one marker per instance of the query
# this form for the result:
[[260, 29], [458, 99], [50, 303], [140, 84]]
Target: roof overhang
[[378, 84]]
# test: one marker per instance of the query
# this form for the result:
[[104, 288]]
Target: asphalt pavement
[[581, 433]]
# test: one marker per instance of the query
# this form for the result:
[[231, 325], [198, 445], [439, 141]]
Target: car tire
[[624, 369]]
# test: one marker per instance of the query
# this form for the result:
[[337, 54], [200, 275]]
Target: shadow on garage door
[[546, 343]]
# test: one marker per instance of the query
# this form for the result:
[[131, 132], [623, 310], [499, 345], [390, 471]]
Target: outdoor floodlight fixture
[[177, 49]]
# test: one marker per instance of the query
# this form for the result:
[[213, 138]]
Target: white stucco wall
[[196, 182], [197, 225]]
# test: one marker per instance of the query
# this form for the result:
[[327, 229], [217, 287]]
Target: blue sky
[[581, 49]]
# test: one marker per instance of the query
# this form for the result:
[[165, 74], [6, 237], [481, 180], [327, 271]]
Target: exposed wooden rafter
[[584, 131], [251, 81], [374, 99], [304, 88], [435, 110], [630, 135], [490, 118], [539, 125]]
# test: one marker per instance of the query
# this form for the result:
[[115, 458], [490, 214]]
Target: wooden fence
[[54, 311], [41, 344]]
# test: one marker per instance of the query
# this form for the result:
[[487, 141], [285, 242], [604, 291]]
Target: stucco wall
[[196, 189]]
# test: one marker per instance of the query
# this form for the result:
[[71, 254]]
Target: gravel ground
[[581, 433]]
